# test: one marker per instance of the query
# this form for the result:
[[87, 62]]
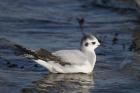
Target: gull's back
[[75, 57]]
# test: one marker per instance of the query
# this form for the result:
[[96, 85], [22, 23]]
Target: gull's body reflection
[[62, 83]]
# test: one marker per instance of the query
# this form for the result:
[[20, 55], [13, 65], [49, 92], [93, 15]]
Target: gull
[[80, 60]]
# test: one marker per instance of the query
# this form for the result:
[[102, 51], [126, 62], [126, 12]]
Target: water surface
[[52, 25]]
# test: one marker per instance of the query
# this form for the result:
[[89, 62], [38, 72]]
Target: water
[[52, 25]]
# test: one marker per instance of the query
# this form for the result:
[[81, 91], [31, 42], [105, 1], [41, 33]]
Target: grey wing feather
[[71, 56], [63, 57]]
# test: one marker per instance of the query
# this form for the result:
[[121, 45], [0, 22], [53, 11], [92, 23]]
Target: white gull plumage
[[79, 61]]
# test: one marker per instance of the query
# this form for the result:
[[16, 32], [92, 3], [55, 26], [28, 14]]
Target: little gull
[[66, 61]]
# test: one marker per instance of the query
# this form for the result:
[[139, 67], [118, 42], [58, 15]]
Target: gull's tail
[[20, 50], [42, 57], [41, 54]]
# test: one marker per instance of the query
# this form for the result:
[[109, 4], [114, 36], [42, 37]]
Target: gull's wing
[[48, 56], [41, 54], [63, 57], [71, 56]]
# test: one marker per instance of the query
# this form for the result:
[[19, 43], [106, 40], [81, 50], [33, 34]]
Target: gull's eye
[[86, 44], [93, 43]]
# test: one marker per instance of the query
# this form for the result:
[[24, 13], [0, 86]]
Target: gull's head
[[89, 43]]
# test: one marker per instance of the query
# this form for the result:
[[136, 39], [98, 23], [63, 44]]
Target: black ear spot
[[86, 44]]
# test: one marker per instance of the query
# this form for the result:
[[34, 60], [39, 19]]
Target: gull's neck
[[91, 56]]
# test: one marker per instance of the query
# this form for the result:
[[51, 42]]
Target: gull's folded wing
[[40, 54], [71, 56]]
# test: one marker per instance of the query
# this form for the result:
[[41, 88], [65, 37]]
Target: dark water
[[52, 24]]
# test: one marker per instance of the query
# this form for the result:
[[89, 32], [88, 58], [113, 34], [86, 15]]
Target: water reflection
[[62, 83]]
